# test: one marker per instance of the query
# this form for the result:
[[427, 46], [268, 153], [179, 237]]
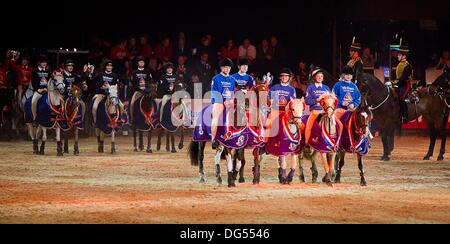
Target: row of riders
[[338, 122], [338, 119]]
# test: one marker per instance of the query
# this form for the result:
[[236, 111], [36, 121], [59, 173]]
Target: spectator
[[132, 48], [195, 88], [247, 51], [164, 51], [300, 83], [229, 51], [144, 49], [444, 61], [119, 55], [180, 47], [207, 47], [155, 69], [278, 53], [368, 61], [181, 69], [264, 58], [205, 71]]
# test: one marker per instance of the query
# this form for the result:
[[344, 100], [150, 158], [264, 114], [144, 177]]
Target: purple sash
[[359, 145], [284, 143], [321, 140]]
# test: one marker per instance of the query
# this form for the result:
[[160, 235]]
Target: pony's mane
[[326, 95]]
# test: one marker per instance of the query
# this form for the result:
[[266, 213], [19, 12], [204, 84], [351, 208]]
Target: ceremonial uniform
[[356, 63], [404, 77]]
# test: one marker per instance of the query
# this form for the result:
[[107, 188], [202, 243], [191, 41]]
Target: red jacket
[[119, 53], [23, 73], [162, 53], [232, 54], [146, 51], [3, 78]]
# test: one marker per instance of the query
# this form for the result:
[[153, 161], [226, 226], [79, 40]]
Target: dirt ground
[[163, 188]]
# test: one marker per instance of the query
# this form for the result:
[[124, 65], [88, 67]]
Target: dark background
[[305, 28]]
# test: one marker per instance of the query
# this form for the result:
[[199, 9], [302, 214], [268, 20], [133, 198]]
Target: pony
[[145, 117], [287, 137], [50, 113], [355, 139], [107, 118], [74, 112], [326, 133], [174, 114]]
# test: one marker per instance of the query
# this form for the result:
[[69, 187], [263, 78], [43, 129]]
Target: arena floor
[[163, 188]]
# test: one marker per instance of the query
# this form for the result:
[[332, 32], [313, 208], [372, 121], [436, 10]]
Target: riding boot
[[315, 175], [113, 148], [302, 175], [76, 150], [100, 146], [284, 180], [42, 149], [35, 147], [256, 174], [59, 148]]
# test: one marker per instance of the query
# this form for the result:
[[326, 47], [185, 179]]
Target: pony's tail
[[193, 151]]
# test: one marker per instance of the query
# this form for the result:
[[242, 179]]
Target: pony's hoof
[[113, 151], [149, 151], [76, 153], [337, 179], [158, 147], [302, 179], [440, 158], [173, 150], [231, 184], [181, 146], [141, 147], [59, 154], [241, 180], [363, 182], [219, 180], [426, 158], [329, 184], [66, 152], [255, 182], [202, 180], [135, 150], [385, 158]]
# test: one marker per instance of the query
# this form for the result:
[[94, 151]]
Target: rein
[[383, 102]]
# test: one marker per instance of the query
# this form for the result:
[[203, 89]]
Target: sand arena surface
[[163, 188]]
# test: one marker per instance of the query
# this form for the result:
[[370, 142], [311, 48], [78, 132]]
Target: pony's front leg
[[201, 155], [172, 141], [290, 176], [44, 139], [241, 164], [326, 167], [59, 148], [141, 141], [66, 142], [217, 159], [76, 150], [181, 144], [149, 141], [32, 133], [361, 171], [300, 167], [134, 139], [100, 141], [340, 161], [257, 166], [230, 167], [282, 166], [113, 142], [158, 142]]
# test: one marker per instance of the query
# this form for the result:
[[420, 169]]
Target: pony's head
[[113, 95], [363, 116], [57, 81], [152, 90], [294, 110], [76, 92], [329, 102]]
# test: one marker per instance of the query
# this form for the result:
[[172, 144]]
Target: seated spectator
[[300, 83], [229, 51], [247, 51], [164, 51], [368, 61], [278, 53], [444, 61], [207, 47], [180, 47], [144, 49], [181, 68], [264, 59], [119, 56], [155, 69], [132, 48], [204, 69]]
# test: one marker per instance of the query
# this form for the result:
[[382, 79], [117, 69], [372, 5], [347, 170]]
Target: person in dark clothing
[[141, 81], [356, 62], [404, 79], [205, 71], [167, 82], [39, 80]]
